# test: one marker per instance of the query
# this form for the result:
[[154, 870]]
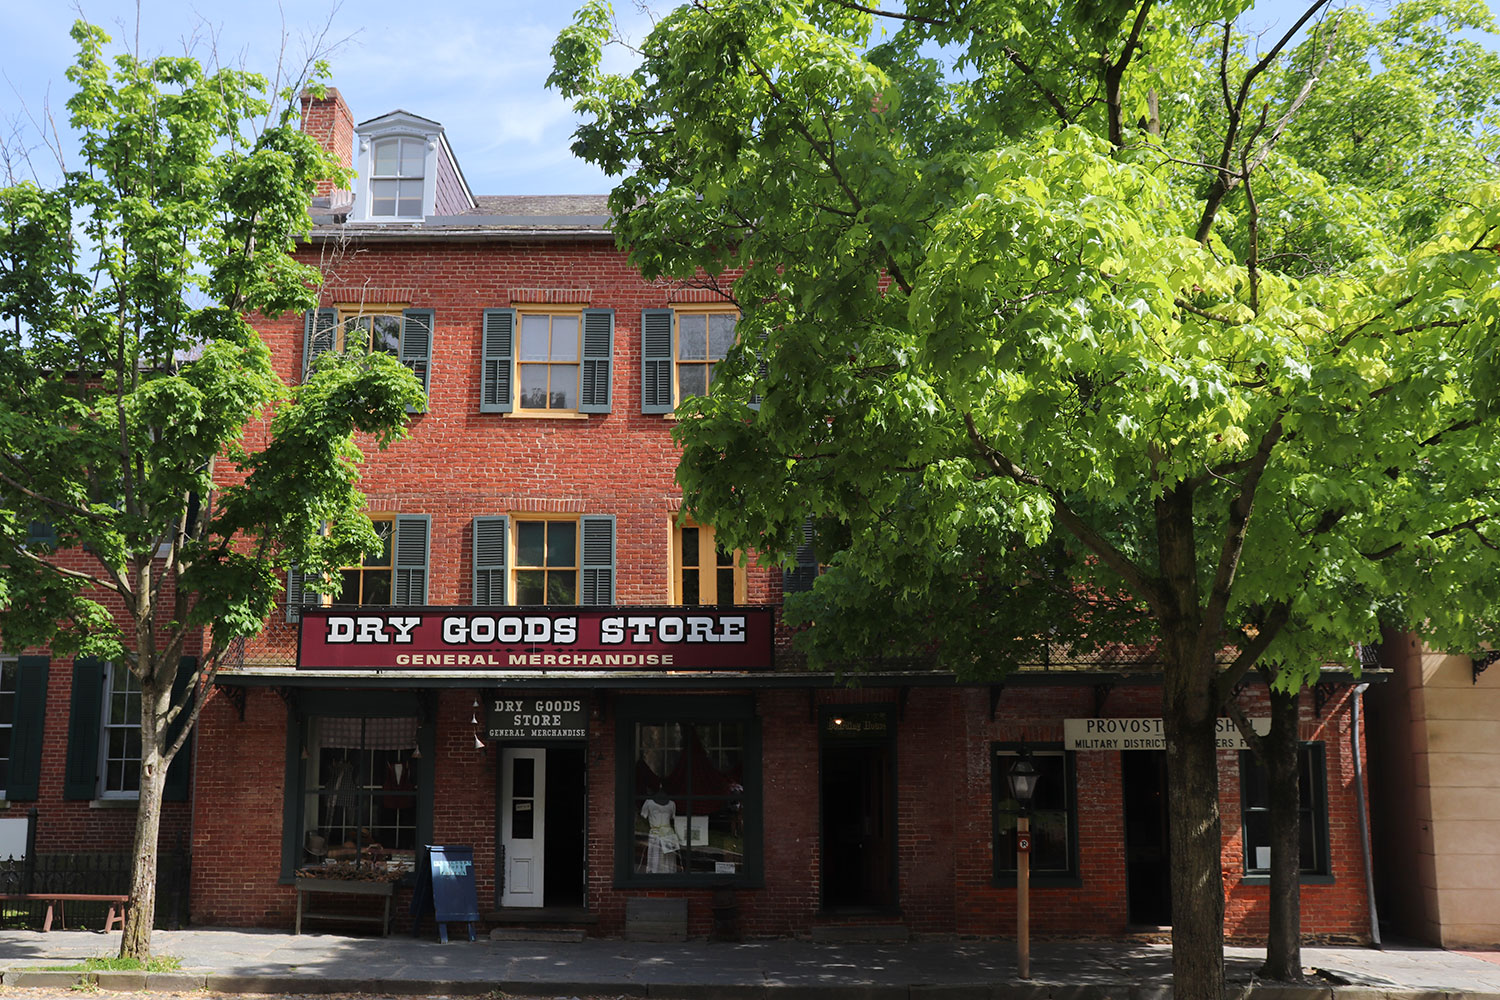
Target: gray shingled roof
[[495, 215]]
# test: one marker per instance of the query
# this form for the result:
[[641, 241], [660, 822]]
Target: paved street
[[238, 961]]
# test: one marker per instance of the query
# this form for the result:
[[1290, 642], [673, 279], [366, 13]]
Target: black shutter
[[801, 576], [294, 594], [598, 560], [656, 360], [85, 716], [598, 349], [411, 559], [26, 728], [319, 336], [416, 347], [489, 561], [497, 360], [180, 772]]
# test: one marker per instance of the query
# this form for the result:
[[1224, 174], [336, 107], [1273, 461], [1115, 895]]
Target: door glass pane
[[523, 777]]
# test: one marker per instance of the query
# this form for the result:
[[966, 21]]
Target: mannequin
[[662, 843]]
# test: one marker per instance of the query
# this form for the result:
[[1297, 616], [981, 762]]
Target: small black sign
[[550, 717], [445, 885]]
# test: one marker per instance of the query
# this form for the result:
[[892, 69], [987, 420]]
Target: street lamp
[[1023, 777]]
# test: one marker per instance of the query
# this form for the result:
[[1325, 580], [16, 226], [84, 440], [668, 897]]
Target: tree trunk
[[135, 942], [1188, 719], [1284, 939]]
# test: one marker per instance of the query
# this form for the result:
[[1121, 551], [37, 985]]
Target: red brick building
[[549, 664]]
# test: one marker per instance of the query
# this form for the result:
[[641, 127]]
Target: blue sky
[[479, 68]]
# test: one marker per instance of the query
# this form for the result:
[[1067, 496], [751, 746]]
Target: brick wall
[[329, 120]]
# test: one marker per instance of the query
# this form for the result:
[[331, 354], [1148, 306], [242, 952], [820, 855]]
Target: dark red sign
[[472, 638], [1023, 844]]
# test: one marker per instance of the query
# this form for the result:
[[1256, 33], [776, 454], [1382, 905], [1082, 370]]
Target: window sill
[[544, 415], [1306, 879], [114, 803]]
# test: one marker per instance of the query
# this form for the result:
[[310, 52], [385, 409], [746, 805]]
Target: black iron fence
[[91, 872]]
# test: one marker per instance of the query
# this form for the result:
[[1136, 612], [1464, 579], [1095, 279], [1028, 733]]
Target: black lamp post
[[1022, 777]]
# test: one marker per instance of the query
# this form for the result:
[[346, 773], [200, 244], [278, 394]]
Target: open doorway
[[541, 820], [857, 805], [1148, 854]]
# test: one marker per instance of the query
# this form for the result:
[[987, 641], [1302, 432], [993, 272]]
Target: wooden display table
[[350, 887]]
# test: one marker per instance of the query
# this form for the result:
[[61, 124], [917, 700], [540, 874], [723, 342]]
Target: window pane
[[562, 587], [523, 777], [386, 334], [534, 337], [562, 543], [564, 338], [531, 586], [692, 380], [714, 835], [564, 387], [690, 594], [534, 387], [531, 543], [386, 153], [692, 337], [720, 335], [725, 595], [413, 158], [377, 588], [690, 546], [348, 587]]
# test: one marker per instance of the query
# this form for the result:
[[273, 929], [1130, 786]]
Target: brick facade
[[459, 463]]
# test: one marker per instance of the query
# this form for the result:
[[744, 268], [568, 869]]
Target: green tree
[[156, 475], [1078, 306]]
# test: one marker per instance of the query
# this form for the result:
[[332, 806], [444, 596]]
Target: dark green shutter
[[801, 576], [598, 559], [85, 716], [416, 347], [598, 350], [319, 336], [30, 712], [762, 374], [489, 560], [411, 559], [180, 772], [656, 360], [497, 360], [294, 594], [41, 534]]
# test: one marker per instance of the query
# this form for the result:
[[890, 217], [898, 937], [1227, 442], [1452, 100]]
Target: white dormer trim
[[396, 125]]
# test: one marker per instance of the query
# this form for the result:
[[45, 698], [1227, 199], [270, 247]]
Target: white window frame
[[14, 663], [106, 726]]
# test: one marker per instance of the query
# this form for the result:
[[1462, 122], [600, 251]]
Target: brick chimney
[[328, 120]]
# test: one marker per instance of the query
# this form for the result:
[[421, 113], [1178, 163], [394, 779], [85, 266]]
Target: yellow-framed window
[[703, 338], [548, 359], [546, 560], [703, 572], [370, 581], [377, 327]]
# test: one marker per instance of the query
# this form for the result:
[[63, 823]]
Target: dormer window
[[396, 179]]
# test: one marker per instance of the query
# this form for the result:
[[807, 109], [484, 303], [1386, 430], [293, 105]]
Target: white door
[[523, 806]]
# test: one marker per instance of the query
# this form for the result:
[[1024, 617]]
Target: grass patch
[[157, 963]]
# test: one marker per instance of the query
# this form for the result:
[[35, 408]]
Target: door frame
[[887, 741]]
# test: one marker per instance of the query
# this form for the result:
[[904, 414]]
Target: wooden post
[[1023, 896]]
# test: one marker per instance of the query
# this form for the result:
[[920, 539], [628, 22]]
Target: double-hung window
[[680, 350], [535, 559], [9, 673], [704, 572], [405, 334], [395, 572], [1312, 812], [546, 360], [1053, 815], [398, 169], [120, 742]]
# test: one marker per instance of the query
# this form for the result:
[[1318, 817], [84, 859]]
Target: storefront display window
[[692, 794], [359, 786]]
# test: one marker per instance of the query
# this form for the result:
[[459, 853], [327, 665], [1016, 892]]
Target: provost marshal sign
[[525, 638]]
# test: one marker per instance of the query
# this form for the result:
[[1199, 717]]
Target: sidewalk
[[239, 961]]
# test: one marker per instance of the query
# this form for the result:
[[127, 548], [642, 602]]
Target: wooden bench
[[382, 890], [59, 900]]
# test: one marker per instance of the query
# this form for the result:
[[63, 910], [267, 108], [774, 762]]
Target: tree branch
[[1234, 536], [1132, 574]]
